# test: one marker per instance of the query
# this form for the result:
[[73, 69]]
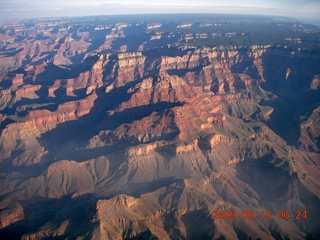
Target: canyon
[[137, 130]]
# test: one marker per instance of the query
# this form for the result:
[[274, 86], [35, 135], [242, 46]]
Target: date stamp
[[264, 214]]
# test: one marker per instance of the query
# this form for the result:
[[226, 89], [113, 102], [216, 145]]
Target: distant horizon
[[306, 11], [305, 21]]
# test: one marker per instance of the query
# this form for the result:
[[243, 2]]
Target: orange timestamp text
[[264, 214]]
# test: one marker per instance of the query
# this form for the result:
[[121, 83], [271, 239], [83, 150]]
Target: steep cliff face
[[151, 144], [310, 132]]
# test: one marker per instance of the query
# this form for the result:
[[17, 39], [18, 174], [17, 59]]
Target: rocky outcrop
[[11, 214], [315, 82], [68, 49], [126, 68], [28, 91], [115, 224], [161, 88], [21, 135], [44, 120], [5, 98], [310, 132]]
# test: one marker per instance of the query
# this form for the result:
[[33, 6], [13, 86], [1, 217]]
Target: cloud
[[76, 3], [43, 8]]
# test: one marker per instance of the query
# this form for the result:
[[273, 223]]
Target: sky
[[17, 9]]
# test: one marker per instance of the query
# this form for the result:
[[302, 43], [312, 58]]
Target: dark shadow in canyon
[[40, 211], [199, 225], [97, 119], [275, 187], [289, 79]]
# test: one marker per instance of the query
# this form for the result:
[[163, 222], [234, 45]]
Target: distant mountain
[[173, 127]]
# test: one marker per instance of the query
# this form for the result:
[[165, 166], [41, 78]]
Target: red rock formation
[[5, 98], [28, 91], [22, 134], [53, 88], [163, 88], [12, 214], [130, 66], [17, 80]]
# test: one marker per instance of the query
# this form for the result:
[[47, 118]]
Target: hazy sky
[[10, 9]]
